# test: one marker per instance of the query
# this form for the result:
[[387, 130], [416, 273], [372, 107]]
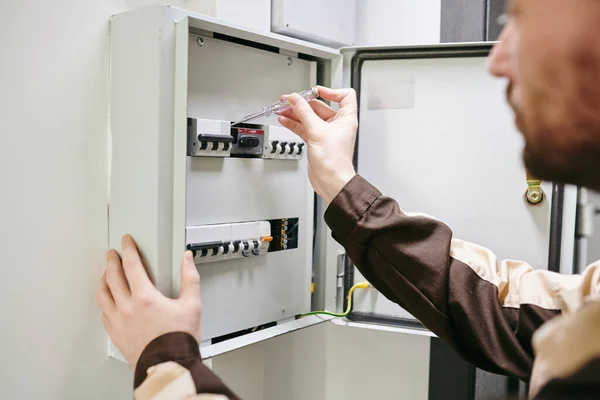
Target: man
[[502, 316]]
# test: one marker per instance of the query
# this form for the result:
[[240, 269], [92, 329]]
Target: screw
[[290, 61], [200, 41], [534, 196]]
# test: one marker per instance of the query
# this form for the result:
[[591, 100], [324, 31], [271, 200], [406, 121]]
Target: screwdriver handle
[[284, 105]]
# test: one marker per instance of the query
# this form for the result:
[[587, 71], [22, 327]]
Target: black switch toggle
[[226, 247], [236, 246], [215, 146], [226, 146], [292, 145], [300, 147], [203, 145], [248, 141], [274, 144], [283, 144]]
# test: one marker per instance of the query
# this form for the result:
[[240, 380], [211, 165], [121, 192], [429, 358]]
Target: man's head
[[550, 53]]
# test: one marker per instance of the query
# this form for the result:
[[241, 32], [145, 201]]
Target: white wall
[[397, 22], [53, 179], [253, 14]]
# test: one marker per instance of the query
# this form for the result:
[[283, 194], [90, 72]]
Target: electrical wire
[[361, 285]]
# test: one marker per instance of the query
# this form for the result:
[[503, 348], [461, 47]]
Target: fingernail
[[189, 256], [293, 99], [126, 238]]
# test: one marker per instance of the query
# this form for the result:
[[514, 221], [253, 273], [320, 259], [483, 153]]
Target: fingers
[[293, 126], [134, 268], [304, 112], [104, 297], [345, 97], [115, 279], [190, 278], [322, 109]]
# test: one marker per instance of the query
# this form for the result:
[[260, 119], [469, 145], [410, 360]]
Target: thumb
[[190, 278], [306, 115]]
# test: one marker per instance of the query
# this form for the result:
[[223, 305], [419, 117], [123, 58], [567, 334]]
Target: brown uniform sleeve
[[485, 309], [171, 366]]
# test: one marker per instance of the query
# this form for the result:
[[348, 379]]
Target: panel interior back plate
[[437, 136], [227, 81]]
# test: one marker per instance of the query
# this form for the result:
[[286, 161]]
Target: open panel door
[[437, 135]]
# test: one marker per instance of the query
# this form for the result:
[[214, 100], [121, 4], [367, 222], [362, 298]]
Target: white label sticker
[[390, 95]]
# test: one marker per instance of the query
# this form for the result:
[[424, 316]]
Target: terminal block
[[208, 138], [220, 242], [285, 234]]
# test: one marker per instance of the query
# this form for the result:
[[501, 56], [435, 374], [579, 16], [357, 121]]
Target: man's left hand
[[134, 312]]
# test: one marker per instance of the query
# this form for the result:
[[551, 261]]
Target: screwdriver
[[280, 106]]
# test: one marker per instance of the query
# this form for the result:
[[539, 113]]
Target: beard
[[546, 154]]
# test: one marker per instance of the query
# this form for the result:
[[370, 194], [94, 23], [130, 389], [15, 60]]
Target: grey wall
[[463, 21], [470, 20]]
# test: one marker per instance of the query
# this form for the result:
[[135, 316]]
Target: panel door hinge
[[341, 274], [586, 215], [341, 270]]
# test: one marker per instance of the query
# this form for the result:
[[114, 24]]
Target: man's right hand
[[330, 137]]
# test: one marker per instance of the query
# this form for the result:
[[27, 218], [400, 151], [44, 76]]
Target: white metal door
[[436, 134]]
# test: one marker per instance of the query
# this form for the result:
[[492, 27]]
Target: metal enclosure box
[[179, 178]]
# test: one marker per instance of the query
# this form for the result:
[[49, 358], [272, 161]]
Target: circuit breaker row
[[220, 242], [275, 147], [213, 138], [216, 251]]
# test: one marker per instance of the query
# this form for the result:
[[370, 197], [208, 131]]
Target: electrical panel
[[182, 176]]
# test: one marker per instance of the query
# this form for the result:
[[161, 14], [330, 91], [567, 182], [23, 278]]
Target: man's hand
[[134, 312], [330, 137]]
